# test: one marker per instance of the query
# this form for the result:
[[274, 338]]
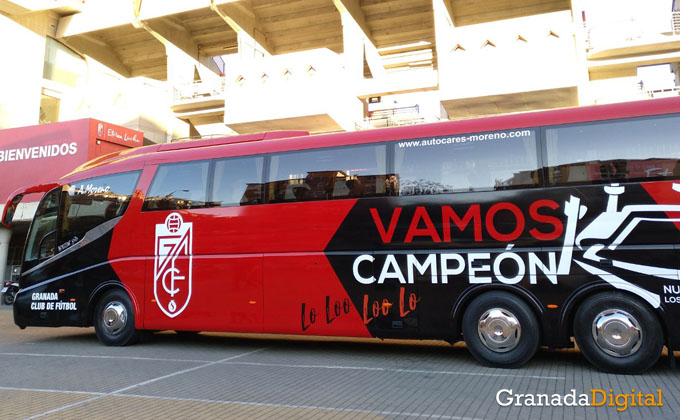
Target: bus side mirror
[[10, 208]]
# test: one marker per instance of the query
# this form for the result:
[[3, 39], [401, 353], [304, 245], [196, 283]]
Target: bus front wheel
[[115, 319], [617, 333], [500, 330]]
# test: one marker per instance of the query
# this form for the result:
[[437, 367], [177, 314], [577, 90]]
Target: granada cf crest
[[172, 265]]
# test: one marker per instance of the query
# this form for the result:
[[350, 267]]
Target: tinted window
[[472, 162], [614, 151], [327, 174], [178, 186], [238, 182], [89, 203], [42, 238]]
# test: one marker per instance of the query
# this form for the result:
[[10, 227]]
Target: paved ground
[[64, 373]]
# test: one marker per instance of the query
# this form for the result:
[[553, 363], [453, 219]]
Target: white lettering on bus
[[89, 189], [438, 141], [44, 296], [482, 267], [508, 267], [50, 302]]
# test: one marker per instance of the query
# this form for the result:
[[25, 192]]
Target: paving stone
[[64, 373]]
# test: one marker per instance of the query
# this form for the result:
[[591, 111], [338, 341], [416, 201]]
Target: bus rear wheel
[[115, 319], [617, 333], [500, 330]]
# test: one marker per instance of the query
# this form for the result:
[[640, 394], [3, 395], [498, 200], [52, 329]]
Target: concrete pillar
[[578, 12], [5, 236], [180, 68], [249, 50], [353, 48], [21, 74], [444, 32]]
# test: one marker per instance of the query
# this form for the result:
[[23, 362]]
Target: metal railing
[[394, 117], [632, 29], [198, 89], [663, 93]]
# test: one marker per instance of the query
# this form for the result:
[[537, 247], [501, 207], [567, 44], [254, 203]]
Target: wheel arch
[[461, 304], [104, 287], [575, 300]]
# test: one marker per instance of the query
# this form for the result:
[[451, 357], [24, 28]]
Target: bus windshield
[[42, 238], [67, 213]]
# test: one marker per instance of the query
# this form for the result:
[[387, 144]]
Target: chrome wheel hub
[[617, 332], [499, 330], [114, 317]]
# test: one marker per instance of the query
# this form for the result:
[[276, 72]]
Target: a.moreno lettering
[[39, 152]]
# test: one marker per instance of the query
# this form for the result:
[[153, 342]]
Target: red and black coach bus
[[509, 232]]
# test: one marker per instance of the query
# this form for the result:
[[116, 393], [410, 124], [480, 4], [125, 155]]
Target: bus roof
[[281, 141]]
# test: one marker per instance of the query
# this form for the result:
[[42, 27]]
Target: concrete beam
[[244, 22], [107, 15], [169, 31], [418, 80], [353, 8], [151, 9], [373, 59], [353, 18], [100, 51], [443, 33], [102, 14], [445, 8], [12, 8], [17, 7]]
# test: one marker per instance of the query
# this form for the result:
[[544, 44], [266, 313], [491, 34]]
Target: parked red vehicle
[[509, 232]]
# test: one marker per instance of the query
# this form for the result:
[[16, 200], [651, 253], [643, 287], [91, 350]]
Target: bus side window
[[237, 182], [178, 186], [472, 162], [327, 174], [613, 151]]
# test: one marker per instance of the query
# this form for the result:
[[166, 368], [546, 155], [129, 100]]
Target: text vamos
[[421, 224]]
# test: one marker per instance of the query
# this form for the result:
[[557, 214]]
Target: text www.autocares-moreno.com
[[465, 139]]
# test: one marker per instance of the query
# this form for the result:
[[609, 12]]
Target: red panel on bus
[[303, 295], [665, 192]]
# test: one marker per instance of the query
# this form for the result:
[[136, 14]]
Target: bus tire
[[115, 319], [500, 330], [8, 298], [617, 333]]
